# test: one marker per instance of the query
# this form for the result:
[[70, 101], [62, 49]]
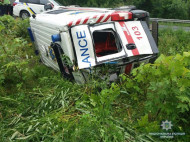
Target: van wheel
[[24, 14]]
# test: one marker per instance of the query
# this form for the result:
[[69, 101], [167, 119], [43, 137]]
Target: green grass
[[173, 42], [175, 24], [36, 104]]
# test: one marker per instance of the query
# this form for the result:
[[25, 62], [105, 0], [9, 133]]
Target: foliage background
[[36, 104], [171, 9]]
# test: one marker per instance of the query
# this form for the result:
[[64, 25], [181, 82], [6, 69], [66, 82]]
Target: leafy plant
[[162, 90]]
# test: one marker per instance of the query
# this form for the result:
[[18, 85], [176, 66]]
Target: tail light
[[121, 15], [14, 3]]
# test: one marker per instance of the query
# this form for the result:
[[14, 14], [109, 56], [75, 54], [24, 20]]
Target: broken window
[[106, 42]]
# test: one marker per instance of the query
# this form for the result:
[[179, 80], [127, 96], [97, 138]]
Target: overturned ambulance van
[[80, 41]]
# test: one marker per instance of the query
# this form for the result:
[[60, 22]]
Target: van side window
[[105, 43], [44, 2], [26, 1], [34, 1]]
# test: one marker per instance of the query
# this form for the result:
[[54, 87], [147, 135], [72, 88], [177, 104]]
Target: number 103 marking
[[137, 32]]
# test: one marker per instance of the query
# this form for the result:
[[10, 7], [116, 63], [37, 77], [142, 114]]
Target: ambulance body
[[77, 41]]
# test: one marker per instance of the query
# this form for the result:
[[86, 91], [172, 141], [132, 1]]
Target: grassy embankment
[[37, 105]]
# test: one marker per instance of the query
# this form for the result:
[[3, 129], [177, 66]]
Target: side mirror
[[48, 6]]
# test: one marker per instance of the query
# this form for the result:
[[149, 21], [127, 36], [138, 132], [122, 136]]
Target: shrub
[[161, 90]]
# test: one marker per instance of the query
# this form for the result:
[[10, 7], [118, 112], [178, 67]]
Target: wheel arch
[[23, 11]]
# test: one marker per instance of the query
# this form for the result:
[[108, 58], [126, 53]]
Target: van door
[[106, 42], [83, 46], [136, 38], [96, 44]]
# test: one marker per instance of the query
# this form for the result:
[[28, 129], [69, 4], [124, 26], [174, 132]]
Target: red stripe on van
[[70, 23], [107, 18], [85, 20], [129, 37], [78, 22], [101, 17]]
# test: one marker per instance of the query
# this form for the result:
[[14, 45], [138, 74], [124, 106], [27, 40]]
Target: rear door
[[136, 38], [96, 44], [83, 46], [107, 42]]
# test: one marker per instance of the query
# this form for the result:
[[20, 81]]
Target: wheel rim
[[24, 15]]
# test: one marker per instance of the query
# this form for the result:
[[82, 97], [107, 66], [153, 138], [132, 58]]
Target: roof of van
[[70, 16]]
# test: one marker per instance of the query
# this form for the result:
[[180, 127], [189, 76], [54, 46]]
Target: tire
[[24, 14]]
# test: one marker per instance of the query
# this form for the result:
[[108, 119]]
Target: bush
[[159, 92]]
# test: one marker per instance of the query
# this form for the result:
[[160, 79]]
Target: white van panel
[[66, 45], [133, 32], [43, 40], [83, 46]]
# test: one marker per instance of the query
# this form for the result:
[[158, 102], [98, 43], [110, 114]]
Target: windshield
[[55, 3]]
